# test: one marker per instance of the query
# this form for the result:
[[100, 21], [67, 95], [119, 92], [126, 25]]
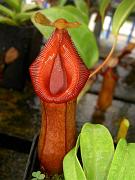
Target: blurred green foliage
[[16, 12]]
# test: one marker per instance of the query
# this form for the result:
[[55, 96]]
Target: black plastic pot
[[26, 41], [32, 163]]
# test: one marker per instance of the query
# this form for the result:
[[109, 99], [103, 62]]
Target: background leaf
[[86, 44], [14, 4], [24, 16], [6, 20], [71, 165], [121, 13], [97, 151], [103, 4], [123, 164], [61, 2], [81, 17], [82, 37], [6, 11], [82, 6]]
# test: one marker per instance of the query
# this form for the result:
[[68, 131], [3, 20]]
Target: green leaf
[[82, 37], [6, 11], [41, 176], [81, 17], [121, 13], [123, 164], [82, 6], [36, 174], [71, 165], [85, 43], [103, 4], [6, 20], [97, 151], [61, 2], [24, 16], [15, 4]]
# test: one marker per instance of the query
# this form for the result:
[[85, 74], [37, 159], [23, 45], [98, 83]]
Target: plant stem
[[105, 61]]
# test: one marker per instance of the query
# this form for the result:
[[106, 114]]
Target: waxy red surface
[[58, 74]]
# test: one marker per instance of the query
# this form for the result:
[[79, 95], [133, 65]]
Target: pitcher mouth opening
[[58, 74]]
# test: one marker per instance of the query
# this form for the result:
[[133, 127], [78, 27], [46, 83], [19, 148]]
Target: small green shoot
[[38, 176]]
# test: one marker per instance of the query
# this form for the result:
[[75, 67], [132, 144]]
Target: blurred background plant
[[20, 42], [16, 12]]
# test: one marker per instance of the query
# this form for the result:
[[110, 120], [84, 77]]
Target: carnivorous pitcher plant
[[58, 75]]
